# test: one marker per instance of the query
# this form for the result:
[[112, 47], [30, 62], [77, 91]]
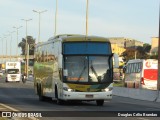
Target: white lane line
[[15, 110], [8, 107], [143, 119]]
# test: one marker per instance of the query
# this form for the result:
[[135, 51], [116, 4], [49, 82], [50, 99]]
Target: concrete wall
[[140, 94]]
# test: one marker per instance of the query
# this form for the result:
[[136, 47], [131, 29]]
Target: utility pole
[[26, 49], [158, 81]]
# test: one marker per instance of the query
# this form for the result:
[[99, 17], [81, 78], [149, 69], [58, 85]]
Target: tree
[[31, 43], [147, 47], [141, 52]]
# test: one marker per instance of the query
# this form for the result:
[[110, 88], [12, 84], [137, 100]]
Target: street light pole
[[6, 49], [5, 36], [2, 48], [87, 18], [26, 49], [56, 12], [10, 43], [39, 12], [17, 38]]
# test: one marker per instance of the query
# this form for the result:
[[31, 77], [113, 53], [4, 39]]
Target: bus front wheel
[[100, 102]]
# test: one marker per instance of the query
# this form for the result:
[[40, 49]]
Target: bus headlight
[[107, 89], [68, 89]]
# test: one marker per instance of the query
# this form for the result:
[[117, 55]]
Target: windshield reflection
[[87, 69]]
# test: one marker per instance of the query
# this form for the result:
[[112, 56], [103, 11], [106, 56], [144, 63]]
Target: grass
[[118, 84]]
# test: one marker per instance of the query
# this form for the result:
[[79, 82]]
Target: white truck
[[13, 71]]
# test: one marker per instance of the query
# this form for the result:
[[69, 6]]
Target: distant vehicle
[[30, 77], [1, 73], [2, 66], [74, 67], [141, 73], [13, 71], [116, 74]]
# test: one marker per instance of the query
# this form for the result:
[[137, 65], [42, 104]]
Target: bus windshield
[[13, 71], [87, 69], [87, 62]]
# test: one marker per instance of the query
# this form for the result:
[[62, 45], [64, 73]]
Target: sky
[[136, 19]]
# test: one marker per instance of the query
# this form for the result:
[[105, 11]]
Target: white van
[[141, 73]]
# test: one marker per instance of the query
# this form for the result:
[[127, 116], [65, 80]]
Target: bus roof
[[73, 37], [139, 60]]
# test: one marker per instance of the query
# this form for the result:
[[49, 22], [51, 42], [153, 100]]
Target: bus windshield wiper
[[95, 73], [81, 73]]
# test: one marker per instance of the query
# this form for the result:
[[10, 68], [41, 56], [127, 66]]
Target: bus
[[141, 73], [74, 67]]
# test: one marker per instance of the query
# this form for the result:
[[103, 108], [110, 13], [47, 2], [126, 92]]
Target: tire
[[6, 80], [58, 101], [40, 94], [100, 102], [125, 84]]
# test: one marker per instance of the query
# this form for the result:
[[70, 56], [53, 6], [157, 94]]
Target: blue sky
[[137, 19]]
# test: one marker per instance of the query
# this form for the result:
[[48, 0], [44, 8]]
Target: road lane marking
[[8, 107], [143, 119], [15, 110]]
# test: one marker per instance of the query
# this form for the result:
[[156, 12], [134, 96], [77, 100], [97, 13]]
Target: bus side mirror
[[116, 60], [60, 60]]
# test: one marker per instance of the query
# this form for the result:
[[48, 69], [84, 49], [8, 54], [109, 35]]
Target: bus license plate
[[89, 96]]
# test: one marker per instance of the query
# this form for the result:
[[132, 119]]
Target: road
[[22, 97]]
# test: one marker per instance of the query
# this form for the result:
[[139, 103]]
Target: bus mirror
[[60, 60], [116, 60], [65, 72]]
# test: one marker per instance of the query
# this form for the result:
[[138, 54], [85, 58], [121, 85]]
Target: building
[[154, 46], [116, 49], [125, 42]]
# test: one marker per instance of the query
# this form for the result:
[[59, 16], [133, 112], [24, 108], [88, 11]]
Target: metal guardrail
[[15, 56]]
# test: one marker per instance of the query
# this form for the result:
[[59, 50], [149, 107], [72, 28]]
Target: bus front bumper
[[86, 95]]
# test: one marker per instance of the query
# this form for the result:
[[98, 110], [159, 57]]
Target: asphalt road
[[22, 97]]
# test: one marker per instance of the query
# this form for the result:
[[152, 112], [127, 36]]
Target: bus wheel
[[100, 102], [6, 80], [39, 90], [59, 101], [125, 84]]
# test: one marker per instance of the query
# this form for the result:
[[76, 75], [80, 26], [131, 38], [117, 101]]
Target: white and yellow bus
[[74, 67]]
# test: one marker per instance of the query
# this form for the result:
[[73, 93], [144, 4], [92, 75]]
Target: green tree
[[147, 47], [141, 52], [30, 41]]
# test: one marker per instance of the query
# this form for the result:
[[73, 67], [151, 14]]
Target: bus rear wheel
[[59, 101], [40, 95], [100, 102]]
